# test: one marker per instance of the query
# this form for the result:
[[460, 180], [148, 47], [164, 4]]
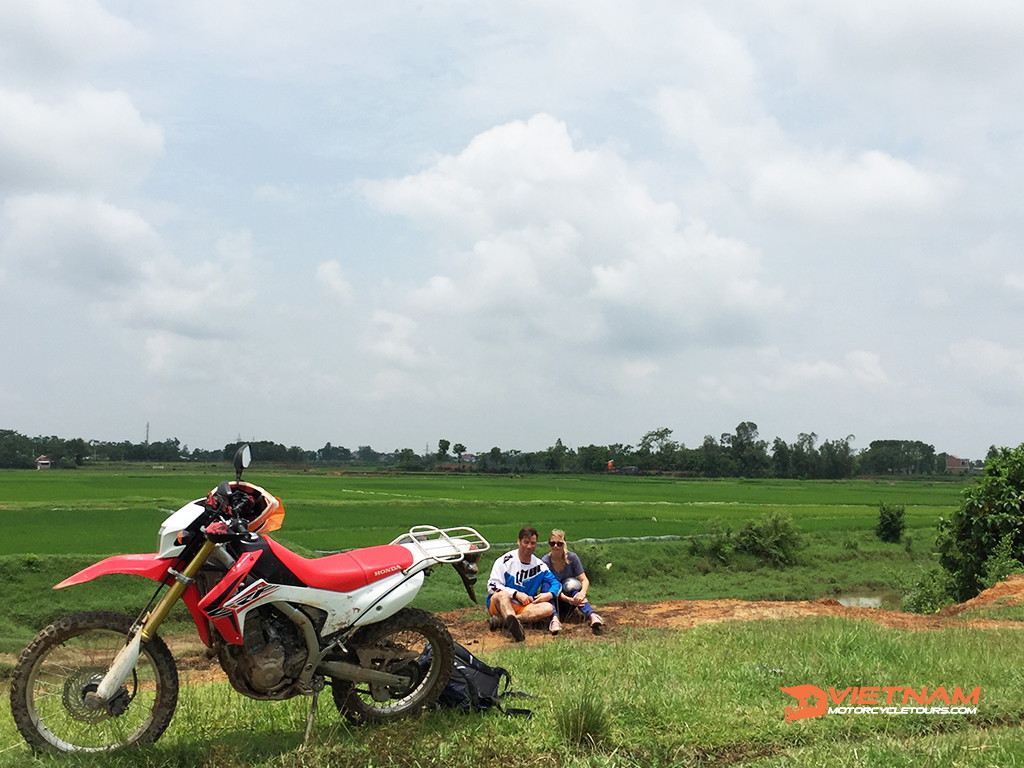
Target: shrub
[[773, 538], [1001, 563], [992, 509], [593, 557], [930, 592], [717, 545], [890, 522]]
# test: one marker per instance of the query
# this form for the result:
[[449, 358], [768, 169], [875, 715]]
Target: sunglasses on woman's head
[[556, 543]]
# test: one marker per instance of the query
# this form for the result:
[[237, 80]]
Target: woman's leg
[[565, 609]]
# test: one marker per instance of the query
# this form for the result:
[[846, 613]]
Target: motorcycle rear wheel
[[396, 645], [65, 662]]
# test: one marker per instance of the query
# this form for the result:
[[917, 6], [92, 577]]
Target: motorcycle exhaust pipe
[[343, 670]]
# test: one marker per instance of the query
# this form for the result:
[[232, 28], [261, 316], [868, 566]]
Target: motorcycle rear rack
[[446, 545]]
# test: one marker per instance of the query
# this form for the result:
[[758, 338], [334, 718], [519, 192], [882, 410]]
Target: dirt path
[[684, 614]]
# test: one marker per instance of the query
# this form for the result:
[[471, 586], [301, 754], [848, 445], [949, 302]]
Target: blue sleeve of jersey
[[551, 584]]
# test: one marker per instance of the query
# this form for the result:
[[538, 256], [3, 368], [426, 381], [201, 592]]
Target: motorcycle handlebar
[[229, 501], [229, 506], [221, 530]]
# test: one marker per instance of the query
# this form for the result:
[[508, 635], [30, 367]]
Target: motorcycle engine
[[274, 652]]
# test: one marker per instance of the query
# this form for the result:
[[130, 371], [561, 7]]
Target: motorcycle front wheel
[[414, 644], [65, 662]]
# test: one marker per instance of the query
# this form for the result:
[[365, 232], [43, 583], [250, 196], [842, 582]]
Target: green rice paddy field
[[100, 512], [635, 534]]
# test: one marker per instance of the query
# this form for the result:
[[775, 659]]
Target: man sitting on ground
[[521, 589]]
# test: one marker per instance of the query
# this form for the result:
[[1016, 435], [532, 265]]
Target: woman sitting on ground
[[566, 565]]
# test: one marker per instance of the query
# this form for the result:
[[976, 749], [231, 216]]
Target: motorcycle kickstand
[[311, 717]]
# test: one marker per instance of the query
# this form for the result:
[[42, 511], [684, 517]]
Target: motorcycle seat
[[345, 571]]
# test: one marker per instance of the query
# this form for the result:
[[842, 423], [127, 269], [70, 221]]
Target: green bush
[[928, 593], [717, 545], [1001, 563], [890, 522], [992, 509], [593, 557], [774, 538]]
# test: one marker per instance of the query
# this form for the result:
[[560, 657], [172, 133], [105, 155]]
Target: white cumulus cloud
[[91, 140], [570, 246], [832, 187]]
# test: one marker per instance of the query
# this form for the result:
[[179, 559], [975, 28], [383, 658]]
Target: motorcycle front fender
[[149, 566]]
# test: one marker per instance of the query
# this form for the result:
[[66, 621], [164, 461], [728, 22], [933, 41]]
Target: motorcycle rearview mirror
[[243, 458]]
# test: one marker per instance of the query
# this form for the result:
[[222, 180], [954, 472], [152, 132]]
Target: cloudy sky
[[505, 223]]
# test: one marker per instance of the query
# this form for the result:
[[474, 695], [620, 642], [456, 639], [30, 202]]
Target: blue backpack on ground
[[475, 686]]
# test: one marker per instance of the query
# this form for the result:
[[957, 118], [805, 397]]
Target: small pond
[[883, 598]]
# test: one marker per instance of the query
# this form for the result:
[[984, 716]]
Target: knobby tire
[[399, 640], [65, 661]]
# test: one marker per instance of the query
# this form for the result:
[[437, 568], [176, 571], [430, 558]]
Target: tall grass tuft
[[584, 720]]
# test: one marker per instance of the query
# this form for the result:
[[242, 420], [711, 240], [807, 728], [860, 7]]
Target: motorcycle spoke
[[413, 645], [58, 689], [53, 682]]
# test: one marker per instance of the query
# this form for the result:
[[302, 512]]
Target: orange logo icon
[[811, 702]]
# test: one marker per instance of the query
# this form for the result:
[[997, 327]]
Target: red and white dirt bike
[[280, 625]]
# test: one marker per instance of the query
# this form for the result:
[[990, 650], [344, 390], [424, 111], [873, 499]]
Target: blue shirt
[[573, 566]]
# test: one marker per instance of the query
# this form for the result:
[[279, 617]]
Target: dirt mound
[[1003, 594], [468, 628]]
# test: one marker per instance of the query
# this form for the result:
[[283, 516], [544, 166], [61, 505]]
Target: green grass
[[997, 611], [708, 696]]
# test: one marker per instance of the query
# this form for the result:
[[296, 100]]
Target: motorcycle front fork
[[127, 657]]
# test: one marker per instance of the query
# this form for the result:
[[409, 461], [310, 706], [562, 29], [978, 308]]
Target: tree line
[[741, 453]]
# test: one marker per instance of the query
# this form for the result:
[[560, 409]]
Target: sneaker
[[494, 623], [555, 626], [513, 625], [596, 624]]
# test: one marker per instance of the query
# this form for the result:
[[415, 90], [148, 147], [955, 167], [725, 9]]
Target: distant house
[[956, 465], [43, 462]]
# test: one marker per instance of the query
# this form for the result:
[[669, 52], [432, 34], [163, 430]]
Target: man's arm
[[549, 587], [498, 580]]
